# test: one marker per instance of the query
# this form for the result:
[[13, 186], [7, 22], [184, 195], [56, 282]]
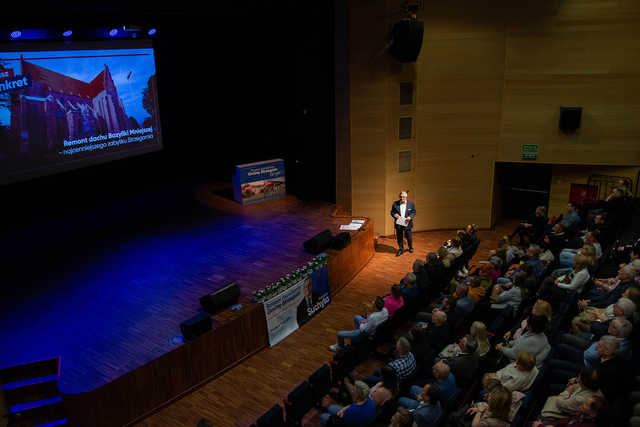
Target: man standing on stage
[[403, 212]]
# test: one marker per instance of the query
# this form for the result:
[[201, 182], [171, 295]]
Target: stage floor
[[114, 307]]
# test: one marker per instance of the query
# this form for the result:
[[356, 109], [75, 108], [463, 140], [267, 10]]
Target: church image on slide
[[57, 107]]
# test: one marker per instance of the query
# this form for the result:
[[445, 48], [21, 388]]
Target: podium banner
[[254, 182], [292, 308]]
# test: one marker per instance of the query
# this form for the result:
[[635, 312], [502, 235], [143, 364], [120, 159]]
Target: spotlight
[[67, 33], [16, 34], [113, 32], [151, 31]]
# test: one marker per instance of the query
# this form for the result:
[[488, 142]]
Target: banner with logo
[[254, 182], [294, 306]]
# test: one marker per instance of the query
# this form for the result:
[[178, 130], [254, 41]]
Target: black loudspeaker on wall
[[570, 118], [319, 242], [221, 298], [195, 326], [341, 240], [407, 40]]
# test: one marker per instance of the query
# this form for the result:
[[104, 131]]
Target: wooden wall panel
[[491, 76], [586, 54]]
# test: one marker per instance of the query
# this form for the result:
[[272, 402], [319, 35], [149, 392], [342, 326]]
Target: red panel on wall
[[581, 192]]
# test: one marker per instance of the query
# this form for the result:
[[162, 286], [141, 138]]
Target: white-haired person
[[358, 413], [518, 375], [569, 402], [624, 307], [403, 211]]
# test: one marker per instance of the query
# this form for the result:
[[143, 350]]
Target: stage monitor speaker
[[570, 118], [195, 326], [407, 40], [220, 299], [341, 241], [319, 242]]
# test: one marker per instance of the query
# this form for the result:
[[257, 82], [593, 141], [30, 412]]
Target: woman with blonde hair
[[540, 308], [494, 413], [556, 290], [478, 331]]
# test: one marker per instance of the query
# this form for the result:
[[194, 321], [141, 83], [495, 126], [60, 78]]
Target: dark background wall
[[237, 82]]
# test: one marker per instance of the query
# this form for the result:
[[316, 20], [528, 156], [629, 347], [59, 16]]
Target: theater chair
[[384, 413], [298, 402], [342, 363], [320, 383], [274, 417]]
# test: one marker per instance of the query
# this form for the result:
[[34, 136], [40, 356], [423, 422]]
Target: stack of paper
[[354, 225]]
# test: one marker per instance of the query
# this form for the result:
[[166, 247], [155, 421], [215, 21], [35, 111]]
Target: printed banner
[[254, 182], [292, 308]]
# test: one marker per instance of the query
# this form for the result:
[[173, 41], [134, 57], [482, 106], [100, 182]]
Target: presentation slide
[[72, 105]]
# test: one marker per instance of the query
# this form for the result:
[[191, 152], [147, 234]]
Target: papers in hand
[[401, 221], [354, 225]]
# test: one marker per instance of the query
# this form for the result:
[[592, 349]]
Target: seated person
[[556, 290], [587, 417], [602, 299], [465, 364], [623, 308], [387, 388], [532, 257], [567, 254], [410, 290], [404, 364], [556, 239], [572, 219], [394, 300], [540, 308], [495, 412], [509, 293], [569, 402], [608, 284], [478, 331], [476, 289], [533, 341], [518, 375], [429, 410], [422, 279], [531, 229], [438, 332], [580, 350], [463, 302], [402, 418], [445, 381], [436, 273], [359, 413], [365, 327]]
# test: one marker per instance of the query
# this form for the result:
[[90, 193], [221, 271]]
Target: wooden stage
[[126, 367]]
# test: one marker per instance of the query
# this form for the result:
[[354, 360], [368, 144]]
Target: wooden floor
[[245, 392]]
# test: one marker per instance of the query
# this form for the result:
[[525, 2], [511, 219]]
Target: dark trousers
[[401, 233]]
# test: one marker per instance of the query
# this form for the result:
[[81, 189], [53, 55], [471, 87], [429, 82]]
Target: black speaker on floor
[[319, 242], [195, 326], [341, 241], [407, 40], [570, 118], [220, 299]]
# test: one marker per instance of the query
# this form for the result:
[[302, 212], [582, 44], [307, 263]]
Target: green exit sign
[[529, 156], [529, 148]]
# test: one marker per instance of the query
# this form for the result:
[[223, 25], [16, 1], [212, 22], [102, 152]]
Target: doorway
[[518, 188]]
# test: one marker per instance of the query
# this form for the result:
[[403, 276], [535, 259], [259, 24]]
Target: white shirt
[[403, 209]]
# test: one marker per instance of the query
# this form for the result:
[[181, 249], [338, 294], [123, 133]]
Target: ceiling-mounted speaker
[[407, 40]]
